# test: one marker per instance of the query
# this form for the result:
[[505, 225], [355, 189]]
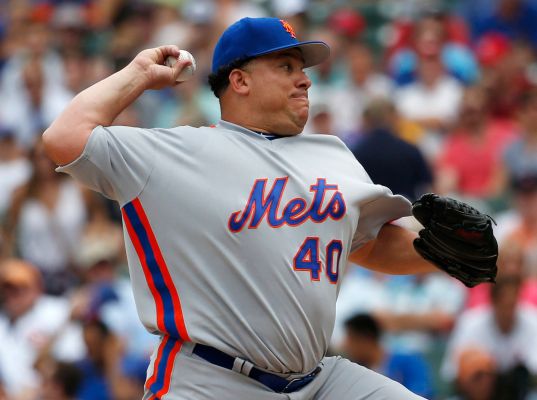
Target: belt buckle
[[308, 378]]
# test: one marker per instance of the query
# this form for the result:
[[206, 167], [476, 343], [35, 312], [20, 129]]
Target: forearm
[[99, 104], [392, 252]]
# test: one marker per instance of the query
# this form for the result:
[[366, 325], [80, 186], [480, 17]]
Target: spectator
[[365, 84], [32, 89], [15, 169], [521, 227], [30, 107], [94, 383], [506, 74], [414, 311], [45, 221], [61, 381], [331, 78], [363, 345], [506, 330], [468, 163], [321, 119], [520, 157], [389, 160], [432, 101], [476, 378], [191, 105], [103, 369], [330, 74], [29, 320], [513, 260], [434, 34], [512, 18]]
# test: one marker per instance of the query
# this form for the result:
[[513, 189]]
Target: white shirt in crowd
[[477, 328], [21, 341]]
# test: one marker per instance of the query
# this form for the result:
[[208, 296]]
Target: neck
[[377, 357], [243, 119], [374, 357], [258, 127]]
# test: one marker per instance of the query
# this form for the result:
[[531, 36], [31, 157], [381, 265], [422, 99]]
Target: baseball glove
[[457, 238]]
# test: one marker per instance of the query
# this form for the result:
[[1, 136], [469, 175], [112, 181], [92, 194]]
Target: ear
[[239, 81]]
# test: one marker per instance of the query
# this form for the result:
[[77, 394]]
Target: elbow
[[65, 139], [51, 145], [63, 147], [48, 142]]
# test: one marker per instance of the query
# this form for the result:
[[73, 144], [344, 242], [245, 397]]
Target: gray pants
[[193, 378]]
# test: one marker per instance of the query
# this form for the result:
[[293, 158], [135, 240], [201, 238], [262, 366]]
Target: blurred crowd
[[429, 95]]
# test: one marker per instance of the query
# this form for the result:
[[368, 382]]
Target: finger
[[167, 51]]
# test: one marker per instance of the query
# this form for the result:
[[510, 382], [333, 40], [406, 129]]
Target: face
[[528, 116], [473, 107], [94, 339], [505, 308], [361, 62], [478, 386], [19, 299], [526, 204], [358, 348], [278, 88]]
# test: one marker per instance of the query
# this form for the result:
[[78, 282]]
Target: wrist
[[137, 76]]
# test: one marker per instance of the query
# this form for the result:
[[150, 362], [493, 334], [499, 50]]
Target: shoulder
[[143, 139], [133, 131], [332, 141], [329, 146]]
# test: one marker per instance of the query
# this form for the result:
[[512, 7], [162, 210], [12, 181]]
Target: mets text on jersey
[[260, 207]]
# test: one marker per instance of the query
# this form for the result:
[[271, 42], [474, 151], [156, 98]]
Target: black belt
[[272, 381]]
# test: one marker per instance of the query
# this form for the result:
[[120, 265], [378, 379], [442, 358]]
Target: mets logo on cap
[[287, 26]]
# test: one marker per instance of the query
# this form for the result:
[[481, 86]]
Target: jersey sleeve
[[117, 161], [380, 207]]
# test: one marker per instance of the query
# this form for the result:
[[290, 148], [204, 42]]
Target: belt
[[272, 381]]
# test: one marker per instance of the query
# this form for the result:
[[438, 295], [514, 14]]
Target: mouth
[[301, 99], [300, 96]]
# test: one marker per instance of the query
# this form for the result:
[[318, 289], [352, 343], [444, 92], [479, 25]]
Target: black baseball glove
[[457, 238]]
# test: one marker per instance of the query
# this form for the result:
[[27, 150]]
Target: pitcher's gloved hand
[[457, 238]]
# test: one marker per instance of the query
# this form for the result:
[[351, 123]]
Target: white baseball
[[187, 72]]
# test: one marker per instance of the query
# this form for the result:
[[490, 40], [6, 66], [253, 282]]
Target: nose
[[304, 82]]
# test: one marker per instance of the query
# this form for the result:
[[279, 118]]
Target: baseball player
[[238, 235]]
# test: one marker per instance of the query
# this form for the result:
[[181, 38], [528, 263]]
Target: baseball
[[188, 71]]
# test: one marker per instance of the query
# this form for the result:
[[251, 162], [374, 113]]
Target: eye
[[286, 66]]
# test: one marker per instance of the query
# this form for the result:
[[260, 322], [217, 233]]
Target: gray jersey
[[235, 240]]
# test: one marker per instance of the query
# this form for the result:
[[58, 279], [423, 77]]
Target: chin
[[291, 126], [291, 130]]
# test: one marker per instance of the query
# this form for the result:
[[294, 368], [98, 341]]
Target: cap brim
[[314, 52]]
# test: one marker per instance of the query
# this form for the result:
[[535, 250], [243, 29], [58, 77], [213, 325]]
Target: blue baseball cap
[[253, 37]]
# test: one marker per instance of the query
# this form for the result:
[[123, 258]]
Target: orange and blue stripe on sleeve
[[168, 306]]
